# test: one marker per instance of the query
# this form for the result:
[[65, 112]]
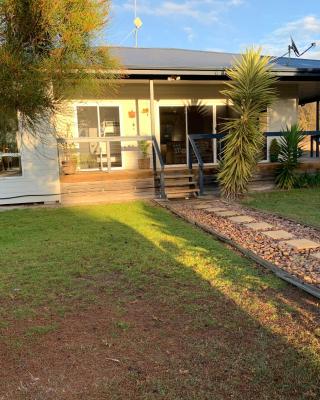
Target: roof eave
[[217, 72]]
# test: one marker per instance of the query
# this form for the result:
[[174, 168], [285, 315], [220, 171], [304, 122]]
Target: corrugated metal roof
[[194, 60]]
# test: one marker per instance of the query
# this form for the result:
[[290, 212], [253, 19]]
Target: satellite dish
[[294, 47]]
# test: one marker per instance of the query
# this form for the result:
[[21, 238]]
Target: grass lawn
[[299, 204], [127, 302]]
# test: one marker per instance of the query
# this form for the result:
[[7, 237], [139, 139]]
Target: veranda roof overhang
[[187, 65]]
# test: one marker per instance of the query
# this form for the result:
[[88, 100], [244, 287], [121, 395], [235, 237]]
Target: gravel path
[[300, 263]]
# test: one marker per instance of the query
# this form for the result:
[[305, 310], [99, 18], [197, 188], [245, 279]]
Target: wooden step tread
[[180, 176], [174, 184], [174, 190], [180, 195]]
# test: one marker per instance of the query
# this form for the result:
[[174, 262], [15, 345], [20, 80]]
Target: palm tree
[[250, 92]]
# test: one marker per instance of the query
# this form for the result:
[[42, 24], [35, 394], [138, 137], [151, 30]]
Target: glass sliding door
[[97, 122], [200, 120], [176, 122], [89, 152], [173, 135]]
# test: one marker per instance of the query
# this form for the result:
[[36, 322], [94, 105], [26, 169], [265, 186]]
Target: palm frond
[[289, 154]]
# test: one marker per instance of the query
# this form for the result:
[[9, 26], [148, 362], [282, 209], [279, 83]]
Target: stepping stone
[[201, 206], [302, 244], [229, 213], [259, 226], [241, 219], [215, 209], [316, 255], [278, 235]]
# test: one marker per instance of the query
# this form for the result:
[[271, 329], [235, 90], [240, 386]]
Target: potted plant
[[144, 162], [70, 162], [274, 150]]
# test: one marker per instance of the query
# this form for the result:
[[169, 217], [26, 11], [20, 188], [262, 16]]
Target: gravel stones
[[300, 261]]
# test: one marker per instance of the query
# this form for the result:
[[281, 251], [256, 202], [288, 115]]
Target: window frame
[[19, 155]]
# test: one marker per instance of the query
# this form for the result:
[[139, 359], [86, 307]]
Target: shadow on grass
[[201, 322]]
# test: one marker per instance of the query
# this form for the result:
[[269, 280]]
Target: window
[[94, 122], [10, 158]]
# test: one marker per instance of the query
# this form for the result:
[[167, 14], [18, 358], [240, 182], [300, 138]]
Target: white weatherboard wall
[[40, 174]]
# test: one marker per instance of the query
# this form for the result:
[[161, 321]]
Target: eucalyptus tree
[[250, 91], [47, 50]]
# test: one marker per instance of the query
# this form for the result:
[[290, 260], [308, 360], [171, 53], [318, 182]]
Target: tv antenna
[[293, 48], [137, 23]]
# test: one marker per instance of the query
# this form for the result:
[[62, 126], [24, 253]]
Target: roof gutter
[[217, 72]]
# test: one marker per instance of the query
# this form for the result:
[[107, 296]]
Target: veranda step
[[175, 184], [180, 176], [181, 195], [177, 191]]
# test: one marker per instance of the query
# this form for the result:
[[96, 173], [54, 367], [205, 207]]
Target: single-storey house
[[166, 97]]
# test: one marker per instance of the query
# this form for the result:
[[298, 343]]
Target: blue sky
[[218, 25]]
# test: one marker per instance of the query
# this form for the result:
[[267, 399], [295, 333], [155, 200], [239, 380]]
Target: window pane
[[224, 114], [200, 120], [173, 135], [88, 154], [87, 121], [110, 126], [10, 160]]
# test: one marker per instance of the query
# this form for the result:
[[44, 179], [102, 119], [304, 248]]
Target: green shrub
[[289, 155], [308, 180], [274, 150]]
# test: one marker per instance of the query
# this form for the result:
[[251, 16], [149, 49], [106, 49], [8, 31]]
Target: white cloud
[[204, 11], [190, 33], [304, 31]]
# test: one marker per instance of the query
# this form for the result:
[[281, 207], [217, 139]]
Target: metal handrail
[[193, 147], [156, 153], [108, 139]]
